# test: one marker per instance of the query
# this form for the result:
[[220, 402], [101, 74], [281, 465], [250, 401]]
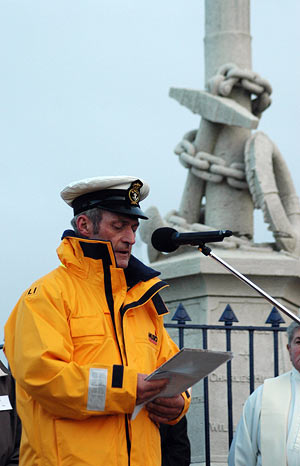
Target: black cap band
[[114, 200]]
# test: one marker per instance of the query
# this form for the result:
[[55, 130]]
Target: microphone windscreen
[[162, 239]]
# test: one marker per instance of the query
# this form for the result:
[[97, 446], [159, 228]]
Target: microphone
[[168, 240]]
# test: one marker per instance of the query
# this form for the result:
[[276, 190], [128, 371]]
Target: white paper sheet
[[184, 369]]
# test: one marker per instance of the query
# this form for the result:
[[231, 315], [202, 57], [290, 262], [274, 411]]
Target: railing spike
[[228, 315], [181, 314], [275, 318]]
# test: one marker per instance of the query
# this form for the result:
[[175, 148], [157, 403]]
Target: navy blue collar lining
[[137, 271], [70, 233]]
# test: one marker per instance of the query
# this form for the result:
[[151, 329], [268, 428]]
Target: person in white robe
[[268, 433]]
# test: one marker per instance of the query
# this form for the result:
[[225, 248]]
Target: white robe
[[246, 445]]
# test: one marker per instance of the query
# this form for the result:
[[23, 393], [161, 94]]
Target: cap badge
[[134, 192]]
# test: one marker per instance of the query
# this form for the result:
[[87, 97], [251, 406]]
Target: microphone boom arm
[[208, 252]]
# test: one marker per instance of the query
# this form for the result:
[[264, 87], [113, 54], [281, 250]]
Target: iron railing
[[228, 318]]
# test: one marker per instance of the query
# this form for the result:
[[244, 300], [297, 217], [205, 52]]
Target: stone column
[[228, 40]]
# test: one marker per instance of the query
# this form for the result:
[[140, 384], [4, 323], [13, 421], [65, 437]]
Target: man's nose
[[129, 236]]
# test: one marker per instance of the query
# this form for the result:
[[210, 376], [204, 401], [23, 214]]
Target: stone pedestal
[[205, 287]]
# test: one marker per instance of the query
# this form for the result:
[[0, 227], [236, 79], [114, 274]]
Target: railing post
[[182, 317], [206, 405], [275, 320], [228, 317], [251, 360]]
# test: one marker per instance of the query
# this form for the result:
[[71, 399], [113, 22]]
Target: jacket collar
[[101, 250], [137, 271]]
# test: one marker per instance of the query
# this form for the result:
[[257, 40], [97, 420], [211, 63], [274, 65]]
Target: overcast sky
[[84, 92]]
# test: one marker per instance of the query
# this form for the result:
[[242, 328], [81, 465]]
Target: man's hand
[[163, 410], [147, 389]]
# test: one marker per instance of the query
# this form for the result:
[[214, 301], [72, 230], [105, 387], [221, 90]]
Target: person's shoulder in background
[[10, 424]]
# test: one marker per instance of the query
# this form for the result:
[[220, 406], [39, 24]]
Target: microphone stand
[[208, 252]]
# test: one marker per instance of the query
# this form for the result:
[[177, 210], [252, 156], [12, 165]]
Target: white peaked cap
[[120, 194]]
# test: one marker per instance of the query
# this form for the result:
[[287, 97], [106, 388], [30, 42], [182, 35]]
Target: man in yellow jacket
[[81, 339]]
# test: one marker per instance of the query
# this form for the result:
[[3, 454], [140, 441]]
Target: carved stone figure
[[231, 170]]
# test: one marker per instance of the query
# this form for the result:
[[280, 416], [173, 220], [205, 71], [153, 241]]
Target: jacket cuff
[[122, 390]]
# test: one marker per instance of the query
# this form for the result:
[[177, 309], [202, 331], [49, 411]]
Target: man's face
[[120, 230], [294, 349]]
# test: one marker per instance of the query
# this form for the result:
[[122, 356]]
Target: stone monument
[[232, 169]]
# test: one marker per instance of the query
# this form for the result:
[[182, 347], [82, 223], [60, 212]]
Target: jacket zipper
[[110, 303], [126, 415]]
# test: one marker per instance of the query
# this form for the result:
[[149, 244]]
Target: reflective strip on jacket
[[75, 342]]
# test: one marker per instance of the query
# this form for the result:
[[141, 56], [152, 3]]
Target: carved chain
[[209, 167], [230, 75]]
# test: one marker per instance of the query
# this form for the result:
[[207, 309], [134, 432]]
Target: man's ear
[[84, 226]]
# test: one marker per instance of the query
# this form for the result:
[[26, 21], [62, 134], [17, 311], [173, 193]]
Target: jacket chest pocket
[[142, 342], [90, 328], [93, 341], [145, 355]]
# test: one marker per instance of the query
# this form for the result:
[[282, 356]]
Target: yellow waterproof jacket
[[75, 342]]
